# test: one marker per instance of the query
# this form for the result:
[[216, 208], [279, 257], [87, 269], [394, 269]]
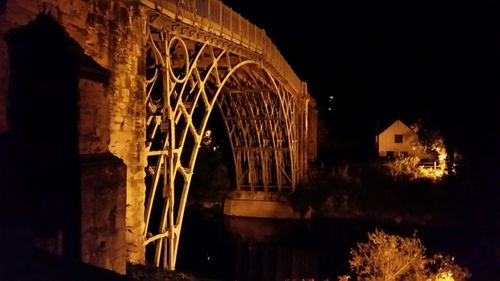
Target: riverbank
[[336, 209], [137, 272], [366, 191], [332, 208]]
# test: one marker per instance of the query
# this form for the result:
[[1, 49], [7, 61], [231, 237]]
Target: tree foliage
[[391, 257], [388, 257]]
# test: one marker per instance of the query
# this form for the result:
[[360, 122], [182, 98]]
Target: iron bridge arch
[[188, 74]]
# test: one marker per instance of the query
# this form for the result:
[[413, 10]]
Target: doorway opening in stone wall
[[40, 166]]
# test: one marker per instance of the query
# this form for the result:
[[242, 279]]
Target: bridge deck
[[216, 18]]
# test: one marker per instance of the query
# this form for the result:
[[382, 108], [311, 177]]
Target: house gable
[[398, 138]]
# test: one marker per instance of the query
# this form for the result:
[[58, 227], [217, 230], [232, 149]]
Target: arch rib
[[185, 80]]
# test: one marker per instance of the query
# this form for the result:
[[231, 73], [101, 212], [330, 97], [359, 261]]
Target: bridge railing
[[215, 17]]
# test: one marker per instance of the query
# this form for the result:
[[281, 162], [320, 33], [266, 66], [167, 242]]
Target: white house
[[397, 139]]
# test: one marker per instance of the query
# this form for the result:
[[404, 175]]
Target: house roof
[[383, 129]]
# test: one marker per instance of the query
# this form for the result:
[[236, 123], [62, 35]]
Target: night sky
[[437, 61]]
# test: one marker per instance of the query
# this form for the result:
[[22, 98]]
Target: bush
[[391, 257]]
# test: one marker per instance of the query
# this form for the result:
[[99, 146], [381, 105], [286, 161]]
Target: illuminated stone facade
[[106, 40]]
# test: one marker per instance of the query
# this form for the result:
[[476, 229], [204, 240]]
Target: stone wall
[[112, 113], [94, 117], [103, 212], [312, 134], [260, 204]]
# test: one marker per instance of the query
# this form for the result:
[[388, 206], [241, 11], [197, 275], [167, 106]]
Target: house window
[[398, 138]]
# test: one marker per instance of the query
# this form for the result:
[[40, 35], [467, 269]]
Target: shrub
[[391, 257], [388, 257]]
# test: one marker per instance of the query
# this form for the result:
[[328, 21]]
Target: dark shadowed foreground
[[46, 267]]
